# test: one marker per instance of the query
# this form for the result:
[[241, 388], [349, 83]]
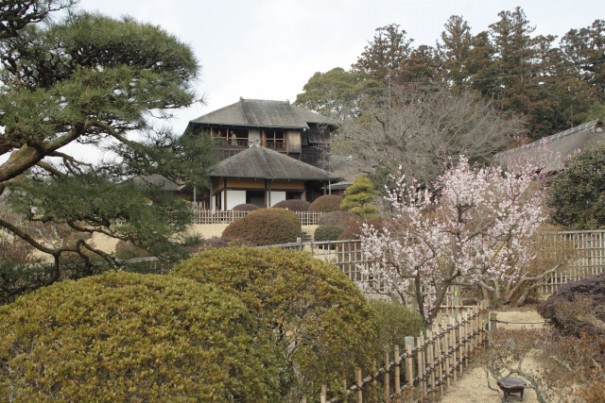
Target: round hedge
[[340, 218], [293, 205], [327, 232], [265, 227], [315, 311], [133, 337], [245, 207], [326, 203], [354, 229]]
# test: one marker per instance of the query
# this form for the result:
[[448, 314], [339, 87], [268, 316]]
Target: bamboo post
[[374, 394], [493, 321], [421, 366], [447, 352], [359, 382], [409, 361], [430, 362], [323, 397], [439, 358], [386, 378], [397, 370]]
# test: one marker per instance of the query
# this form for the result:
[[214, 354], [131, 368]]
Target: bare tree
[[421, 130]]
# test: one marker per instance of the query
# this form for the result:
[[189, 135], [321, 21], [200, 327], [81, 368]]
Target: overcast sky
[[268, 49]]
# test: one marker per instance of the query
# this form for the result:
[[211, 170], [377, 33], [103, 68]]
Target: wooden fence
[[584, 252], [428, 364], [203, 216]]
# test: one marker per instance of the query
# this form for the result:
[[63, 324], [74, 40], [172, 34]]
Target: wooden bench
[[511, 386]]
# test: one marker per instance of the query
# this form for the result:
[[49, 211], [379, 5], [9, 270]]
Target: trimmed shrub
[[245, 207], [327, 233], [326, 204], [221, 242], [132, 337], [340, 218], [395, 322], [577, 308], [354, 228], [265, 227], [293, 205], [315, 311]]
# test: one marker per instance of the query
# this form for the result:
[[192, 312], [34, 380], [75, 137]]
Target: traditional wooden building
[[551, 152], [269, 151]]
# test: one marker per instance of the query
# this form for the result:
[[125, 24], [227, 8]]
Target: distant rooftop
[[262, 113], [564, 144]]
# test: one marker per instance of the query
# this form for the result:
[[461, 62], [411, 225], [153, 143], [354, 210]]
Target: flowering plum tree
[[476, 229]]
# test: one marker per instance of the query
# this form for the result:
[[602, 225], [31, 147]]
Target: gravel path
[[473, 386]]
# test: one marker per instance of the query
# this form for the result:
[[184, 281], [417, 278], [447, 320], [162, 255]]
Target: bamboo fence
[[428, 364]]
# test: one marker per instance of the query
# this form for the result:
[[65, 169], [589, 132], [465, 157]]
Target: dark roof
[[260, 113], [262, 163], [563, 145]]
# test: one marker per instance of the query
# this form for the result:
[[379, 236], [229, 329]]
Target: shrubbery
[[265, 227], [222, 242], [354, 228], [315, 312], [293, 205], [326, 204], [245, 207], [338, 218], [578, 307], [131, 337], [395, 322], [327, 232]]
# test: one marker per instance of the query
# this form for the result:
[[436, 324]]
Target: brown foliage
[[326, 203], [265, 227], [293, 205]]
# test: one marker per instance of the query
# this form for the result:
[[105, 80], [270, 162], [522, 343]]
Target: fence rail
[[429, 363], [584, 252], [203, 216]]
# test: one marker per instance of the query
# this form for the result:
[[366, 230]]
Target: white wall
[[276, 197], [235, 197]]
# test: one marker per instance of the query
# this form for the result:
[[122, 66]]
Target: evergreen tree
[[358, 197], [91, 80]]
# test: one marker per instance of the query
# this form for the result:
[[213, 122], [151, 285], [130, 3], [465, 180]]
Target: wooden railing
[[428, 364], [202, 216]]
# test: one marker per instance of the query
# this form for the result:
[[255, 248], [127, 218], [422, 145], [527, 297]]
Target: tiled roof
[[563, 144], [262, 163], [261, 113]]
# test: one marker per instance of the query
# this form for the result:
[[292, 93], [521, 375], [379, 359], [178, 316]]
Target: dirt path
[[473, 386]]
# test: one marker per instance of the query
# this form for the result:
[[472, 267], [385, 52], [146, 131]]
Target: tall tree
[[454, 50], [338, 94], [90, 80], [586, 49], [382, 57], [422, 129]]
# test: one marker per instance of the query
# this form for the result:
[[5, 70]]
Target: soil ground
[[474, 386]]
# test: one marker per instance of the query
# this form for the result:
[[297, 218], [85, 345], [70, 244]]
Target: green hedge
[[317, 315], [132, 337]]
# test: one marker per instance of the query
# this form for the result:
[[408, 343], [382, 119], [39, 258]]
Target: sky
[[268, 49]]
